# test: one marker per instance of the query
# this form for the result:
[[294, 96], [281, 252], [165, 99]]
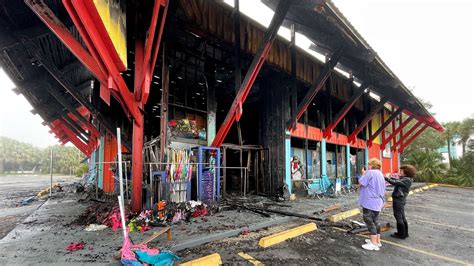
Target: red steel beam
[[395, 132], [58, 28], [342, 113], [353, 136], [152, 46], [412, 138], [317, 86], [406, 135], [91, 20], [235, 111], [71, 136], [383, 126]]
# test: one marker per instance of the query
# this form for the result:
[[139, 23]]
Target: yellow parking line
[[444, 210], [210, 260], [448, 185], [416, 250], [441, 224], [425, 252], [250, 259], [287, 234]]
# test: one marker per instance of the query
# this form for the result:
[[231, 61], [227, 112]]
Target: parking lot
[[441, 232]]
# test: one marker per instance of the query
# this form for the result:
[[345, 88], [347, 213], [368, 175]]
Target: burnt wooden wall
[[275, 112], [209, 16]]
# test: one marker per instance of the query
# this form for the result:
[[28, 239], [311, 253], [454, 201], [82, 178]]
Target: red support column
[[353, 136], [235, 111], [410, 140], [403, 136], [395, 132], [137, 166], [384, 125]]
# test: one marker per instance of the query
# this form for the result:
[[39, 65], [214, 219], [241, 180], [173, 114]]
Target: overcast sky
[[429, 45]]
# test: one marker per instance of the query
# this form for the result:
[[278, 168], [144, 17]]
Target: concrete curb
[[204, 240], [287, 234], [213, 259]]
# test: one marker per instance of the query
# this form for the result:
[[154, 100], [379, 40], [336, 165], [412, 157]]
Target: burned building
[[207, 98]]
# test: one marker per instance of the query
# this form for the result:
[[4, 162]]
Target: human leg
[[369, 220], [398, 212], [405, 222]]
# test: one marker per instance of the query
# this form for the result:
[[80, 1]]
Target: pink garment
[[128, 248]]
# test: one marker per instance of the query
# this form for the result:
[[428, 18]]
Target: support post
[[316, 87], [366, 158], [348, 160], [51, 174], [323, 158], [100, 174], [237, 67], [164, 106], [235, 111], [294, 90], [137, 165], [353, 136], [412, 138], [288, 161]]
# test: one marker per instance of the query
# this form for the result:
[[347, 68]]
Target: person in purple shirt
[[372, 198]]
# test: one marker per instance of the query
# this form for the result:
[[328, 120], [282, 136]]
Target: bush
[[81, 170]]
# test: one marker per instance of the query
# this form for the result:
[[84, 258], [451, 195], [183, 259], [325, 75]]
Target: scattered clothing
[[76, 246]]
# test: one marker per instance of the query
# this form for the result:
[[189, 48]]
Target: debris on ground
[[329, 209], [102, 213], [28, 201], [245, 232], [95, 227], [56, 188], [73, 247]]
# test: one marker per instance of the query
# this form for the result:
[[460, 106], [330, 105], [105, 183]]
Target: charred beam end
[[340, 115], [353, 136], [317, 86], [384, 125]]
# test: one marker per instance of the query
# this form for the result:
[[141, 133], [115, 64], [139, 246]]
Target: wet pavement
[[441, 231], [14, 189]]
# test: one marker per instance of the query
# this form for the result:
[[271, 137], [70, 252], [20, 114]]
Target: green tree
[[451, 129], [19, 156], [465, 131]]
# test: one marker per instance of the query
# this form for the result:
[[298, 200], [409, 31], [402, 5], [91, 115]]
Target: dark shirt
[[402, 187]]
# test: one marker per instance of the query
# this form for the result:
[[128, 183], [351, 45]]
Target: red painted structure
[[104, 63]]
